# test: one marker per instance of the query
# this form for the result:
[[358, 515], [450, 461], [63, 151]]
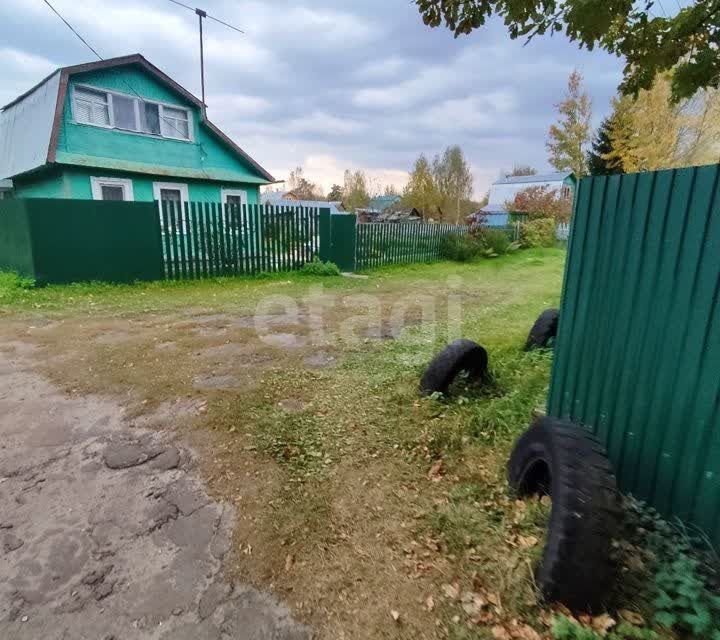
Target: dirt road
[[106, 529]]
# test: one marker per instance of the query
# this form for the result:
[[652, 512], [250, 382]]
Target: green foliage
[[496, 242], [485, 242], [568, 138], [602, 146], [686, 40], [538, 233], [13, 287], [319, 268], [460, 247], [683, 603], [565, 629]]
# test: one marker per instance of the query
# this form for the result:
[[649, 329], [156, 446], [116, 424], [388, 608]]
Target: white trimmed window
[[175, 123], [171, 198], [92, 107], [131, 113], [117, 189], [233, 197]]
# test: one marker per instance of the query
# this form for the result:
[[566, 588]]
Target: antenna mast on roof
[[201, 16]]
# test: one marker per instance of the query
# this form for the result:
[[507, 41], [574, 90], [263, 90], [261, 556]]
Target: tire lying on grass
[[544, 330], [561, 459], [461, 355]]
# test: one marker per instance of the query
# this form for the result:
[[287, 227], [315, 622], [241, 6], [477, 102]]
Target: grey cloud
[[365, 83]]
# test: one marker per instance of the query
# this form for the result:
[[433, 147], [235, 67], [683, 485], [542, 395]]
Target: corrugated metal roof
[[557, 176], [494, 208], [381, 203], [272, 199]]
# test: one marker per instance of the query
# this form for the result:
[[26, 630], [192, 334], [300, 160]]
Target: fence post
[[325, 235]]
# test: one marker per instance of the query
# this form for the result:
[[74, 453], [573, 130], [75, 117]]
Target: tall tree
[[302, 187], [336, 193], [356, 194], [602, 147], [687, 40], [421, 192], [651, 132], [569, 137], [522, 170], [391, 190], [454, 181]]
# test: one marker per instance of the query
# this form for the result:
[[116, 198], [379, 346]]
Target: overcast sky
[[328, 84]]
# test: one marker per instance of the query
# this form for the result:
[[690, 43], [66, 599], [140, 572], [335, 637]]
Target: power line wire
[[125, 82], [207, 15], [69, 26]]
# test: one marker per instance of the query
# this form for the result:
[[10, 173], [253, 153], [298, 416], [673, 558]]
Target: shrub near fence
[[382, 244]]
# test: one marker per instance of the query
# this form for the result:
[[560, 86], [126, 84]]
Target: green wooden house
[[120, 129]]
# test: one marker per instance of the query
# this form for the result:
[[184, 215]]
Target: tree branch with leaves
[[687, 41]]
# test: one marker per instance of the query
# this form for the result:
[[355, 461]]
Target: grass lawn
[[373, 512]]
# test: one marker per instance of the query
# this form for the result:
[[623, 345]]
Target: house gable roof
[[139, 60]]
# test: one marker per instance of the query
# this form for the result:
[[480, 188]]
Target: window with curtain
[[92, 107]]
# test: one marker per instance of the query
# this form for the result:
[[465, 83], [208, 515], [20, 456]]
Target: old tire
[[544, 330], [559, 458], [461, 355]]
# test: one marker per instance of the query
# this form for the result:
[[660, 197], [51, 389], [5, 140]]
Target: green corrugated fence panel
[[62, 241], [637, 357]]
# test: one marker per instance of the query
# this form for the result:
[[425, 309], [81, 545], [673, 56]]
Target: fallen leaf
[[289, 562], [501, 633], [451, 591], [603, 623], [632, 617], [395, 615], [436, 472], [524, 632], [527, 541], [429, 603], [472, 603]]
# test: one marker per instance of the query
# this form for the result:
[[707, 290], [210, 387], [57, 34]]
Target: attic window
[[131, 113], [92, 107]]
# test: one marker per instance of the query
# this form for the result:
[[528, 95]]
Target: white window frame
[[224, 193], [175, 186], [138, 131], [97, 183]]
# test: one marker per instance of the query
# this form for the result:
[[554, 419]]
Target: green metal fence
[[637, 357], [208, 239], [380, 244], [61, 241]]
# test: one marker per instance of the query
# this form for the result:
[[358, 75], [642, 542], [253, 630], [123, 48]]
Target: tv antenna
[[202, 15]]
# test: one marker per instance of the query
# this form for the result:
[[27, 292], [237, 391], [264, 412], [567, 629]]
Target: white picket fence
[[562, 231]]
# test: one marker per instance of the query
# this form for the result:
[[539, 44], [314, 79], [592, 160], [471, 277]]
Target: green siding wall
[[74, 182], [87, 145]]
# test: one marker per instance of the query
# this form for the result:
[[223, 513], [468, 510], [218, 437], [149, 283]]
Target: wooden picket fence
[[207, 239], [380, 244]]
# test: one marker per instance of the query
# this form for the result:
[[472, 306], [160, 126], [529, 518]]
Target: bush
[[460, 248], [319, 268], [538, 233], [496, 242]]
